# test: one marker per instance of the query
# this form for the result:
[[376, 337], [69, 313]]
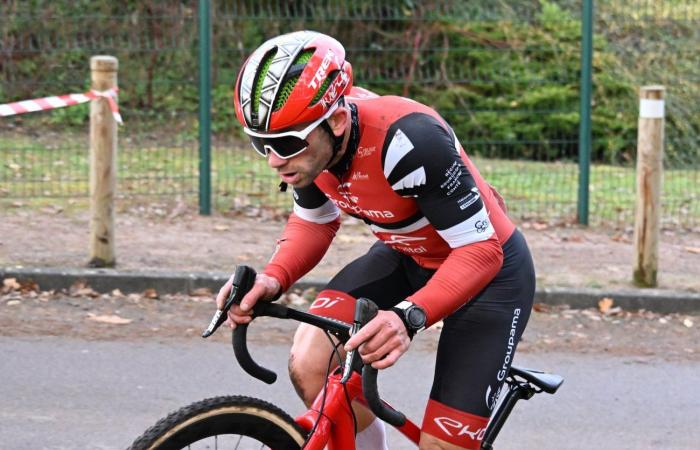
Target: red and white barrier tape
[[60, 101]]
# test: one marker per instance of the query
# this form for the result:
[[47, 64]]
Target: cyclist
[[446, 249]]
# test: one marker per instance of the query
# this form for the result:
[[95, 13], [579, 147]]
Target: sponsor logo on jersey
[[359, 176], [510, 345], [403, 240], [469, 199], [404, 244], [363, 152], [343, 189], [321, 71], [452, 181], [455, 428], [356, 209], [481, 225]]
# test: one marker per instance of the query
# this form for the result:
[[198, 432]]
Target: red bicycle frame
[[335, 427]]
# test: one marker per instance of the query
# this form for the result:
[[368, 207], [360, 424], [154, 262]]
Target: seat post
[[516, 392]]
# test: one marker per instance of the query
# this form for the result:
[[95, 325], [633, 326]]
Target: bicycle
[[330, 422]]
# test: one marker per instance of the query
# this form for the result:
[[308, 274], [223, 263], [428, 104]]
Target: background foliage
[[505, 74]]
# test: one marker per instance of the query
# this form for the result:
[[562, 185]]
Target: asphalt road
[[61, 393]]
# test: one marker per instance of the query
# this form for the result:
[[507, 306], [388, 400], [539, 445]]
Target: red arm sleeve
[[463, 274], [299, 249]]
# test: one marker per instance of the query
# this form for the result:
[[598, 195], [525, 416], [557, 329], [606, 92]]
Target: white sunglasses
[[288, 143]]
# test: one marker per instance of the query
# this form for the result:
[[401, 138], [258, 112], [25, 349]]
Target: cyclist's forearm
[[299, 249], [465, 272]]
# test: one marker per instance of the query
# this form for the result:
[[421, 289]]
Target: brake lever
[[351, 356], [365, 310], [243, 280]]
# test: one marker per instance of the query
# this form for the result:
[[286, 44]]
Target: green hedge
[[504, 74]]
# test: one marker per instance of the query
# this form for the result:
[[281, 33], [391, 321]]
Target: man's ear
[[339, 120]]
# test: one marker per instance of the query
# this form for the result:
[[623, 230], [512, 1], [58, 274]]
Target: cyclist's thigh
[[478, 341], [378, 275], [382, 275]]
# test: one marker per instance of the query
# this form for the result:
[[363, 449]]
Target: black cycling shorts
[[477, 341]]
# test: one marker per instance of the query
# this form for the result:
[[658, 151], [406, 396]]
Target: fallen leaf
[[604, 304], [111, 319], [695, 250], [150, 293], [28, 286], [541, 307], [13, 303], [221, 227], [201, 292], [10, 284], [688, 323], [81, 289]]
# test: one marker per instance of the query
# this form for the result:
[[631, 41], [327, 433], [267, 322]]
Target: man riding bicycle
[[446, 249]]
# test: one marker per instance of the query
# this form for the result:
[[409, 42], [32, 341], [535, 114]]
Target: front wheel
[[223, 423]]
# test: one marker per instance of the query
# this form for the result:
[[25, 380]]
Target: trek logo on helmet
[[337, 86], [320, 74]]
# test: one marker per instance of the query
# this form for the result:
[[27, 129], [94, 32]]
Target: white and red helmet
[[291, 79]]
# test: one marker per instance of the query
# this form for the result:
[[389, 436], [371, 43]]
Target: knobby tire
[[221, 416]]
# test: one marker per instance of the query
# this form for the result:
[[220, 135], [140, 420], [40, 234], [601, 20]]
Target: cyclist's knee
[[428, 442], [308, 361]]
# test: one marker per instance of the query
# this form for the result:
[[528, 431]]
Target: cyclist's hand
[[382, 341], [264, 288]]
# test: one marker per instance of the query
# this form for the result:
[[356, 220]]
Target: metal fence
[[505, 74]]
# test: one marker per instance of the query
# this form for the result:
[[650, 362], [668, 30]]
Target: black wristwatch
[[412, 315]]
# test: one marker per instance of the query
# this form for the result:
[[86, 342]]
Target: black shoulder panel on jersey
[[309, 197], [420, 160]]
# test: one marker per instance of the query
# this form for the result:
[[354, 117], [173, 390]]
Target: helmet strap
[[337, 141]]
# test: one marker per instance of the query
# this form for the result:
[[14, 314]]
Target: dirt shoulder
[[162, 237], [83, 314]]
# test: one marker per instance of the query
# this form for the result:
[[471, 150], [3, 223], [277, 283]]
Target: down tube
[[336, 426]]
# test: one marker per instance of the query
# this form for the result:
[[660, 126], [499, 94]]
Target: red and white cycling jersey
[[405, 174]]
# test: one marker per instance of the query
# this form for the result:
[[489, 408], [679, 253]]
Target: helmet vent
[[287, 87], [324, 87], [260, 79]]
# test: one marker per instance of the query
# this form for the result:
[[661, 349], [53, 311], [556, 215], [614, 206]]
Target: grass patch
[[533, 190]]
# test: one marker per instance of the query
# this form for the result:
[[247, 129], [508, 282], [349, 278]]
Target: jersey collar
[[343, 165]]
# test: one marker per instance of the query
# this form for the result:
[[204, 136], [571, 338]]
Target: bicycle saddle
[[548, 382]]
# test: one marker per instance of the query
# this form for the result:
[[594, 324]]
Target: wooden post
[[103, 152], [650, 150]]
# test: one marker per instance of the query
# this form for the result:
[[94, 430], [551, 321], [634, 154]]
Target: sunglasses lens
[[285, 147], [258, 145]]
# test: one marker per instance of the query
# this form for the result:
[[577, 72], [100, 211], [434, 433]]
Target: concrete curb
[[170, 282]]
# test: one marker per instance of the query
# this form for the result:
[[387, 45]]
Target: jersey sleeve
[[306, 236], [421, 159]]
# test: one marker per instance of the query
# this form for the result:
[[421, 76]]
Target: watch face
[[416, 317]]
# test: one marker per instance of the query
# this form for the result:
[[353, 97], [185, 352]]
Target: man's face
[[301, 170]]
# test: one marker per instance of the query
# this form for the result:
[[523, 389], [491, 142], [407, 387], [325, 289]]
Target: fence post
[[650, 149], [584, 129], [103, 151], [204, 107]]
